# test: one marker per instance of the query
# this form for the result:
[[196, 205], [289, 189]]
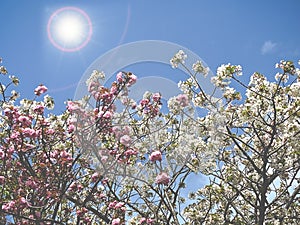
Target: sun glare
[[69, 29]]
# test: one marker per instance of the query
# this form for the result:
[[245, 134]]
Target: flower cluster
[[179, 58], [198, 67], [178, 103], [95, 77], [231, 94], [155, 156], [150, 105], [286, 66], [225, 73], [41, 89], [40, 165], [162, 178]]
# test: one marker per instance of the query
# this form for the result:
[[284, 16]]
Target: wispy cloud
[[268, 47]]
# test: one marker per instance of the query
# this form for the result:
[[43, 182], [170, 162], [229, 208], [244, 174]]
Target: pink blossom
[[72, 187], [132, 80], [104, 159], [117, 131], [116, 221], [28, 132], [113, 89], [23, 201], [125, 140], [37, 214], [120, 77], [130, 152], [144, 102], [104, 181], [112, 204], [162, 178], [5, 207], [50, 131], [79, 187], [107, 96], [64, 154], [71, 128], [133, 105], [2, 179], [95, 176], [8, 206], [24, 120], [150, 221], [126, 129], [155, 156], [183, 100], [2, 154], [93, 86], [72, 106], [107, 115], [102, 196], [119, 205], [29, 146], [41, 89], [39, 109], [146, 221], [32, 184], [113, 152], [156, 97], [81, 212], [143, 220]]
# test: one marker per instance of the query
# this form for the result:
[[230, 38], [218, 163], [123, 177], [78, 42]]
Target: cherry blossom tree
[[257, 180], [111, 160]]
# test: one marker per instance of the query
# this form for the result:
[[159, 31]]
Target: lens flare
[[69, 29]]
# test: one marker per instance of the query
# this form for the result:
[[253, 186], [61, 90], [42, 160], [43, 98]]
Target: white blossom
[[198, 67], [179, 58], [95, 76], [49, 102]]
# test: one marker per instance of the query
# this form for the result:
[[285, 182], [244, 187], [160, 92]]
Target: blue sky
[[255, 34]]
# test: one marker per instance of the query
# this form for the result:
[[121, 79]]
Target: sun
[[69, 29]]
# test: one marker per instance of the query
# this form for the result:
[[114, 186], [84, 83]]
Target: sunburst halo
[[69, 29]]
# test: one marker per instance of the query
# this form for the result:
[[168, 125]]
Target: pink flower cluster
[[2, 179], [183, 100], [117, 205], [120, 209], [73, 106], [162, 178], [41, 161], [120, 131], [99, 92], [95, 177], [151, 106], [125, 140], [30, 150], [9, 206], [155, 156], [146, 221], [41, 89], [128, 78], [156, 97], [116, 221]]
